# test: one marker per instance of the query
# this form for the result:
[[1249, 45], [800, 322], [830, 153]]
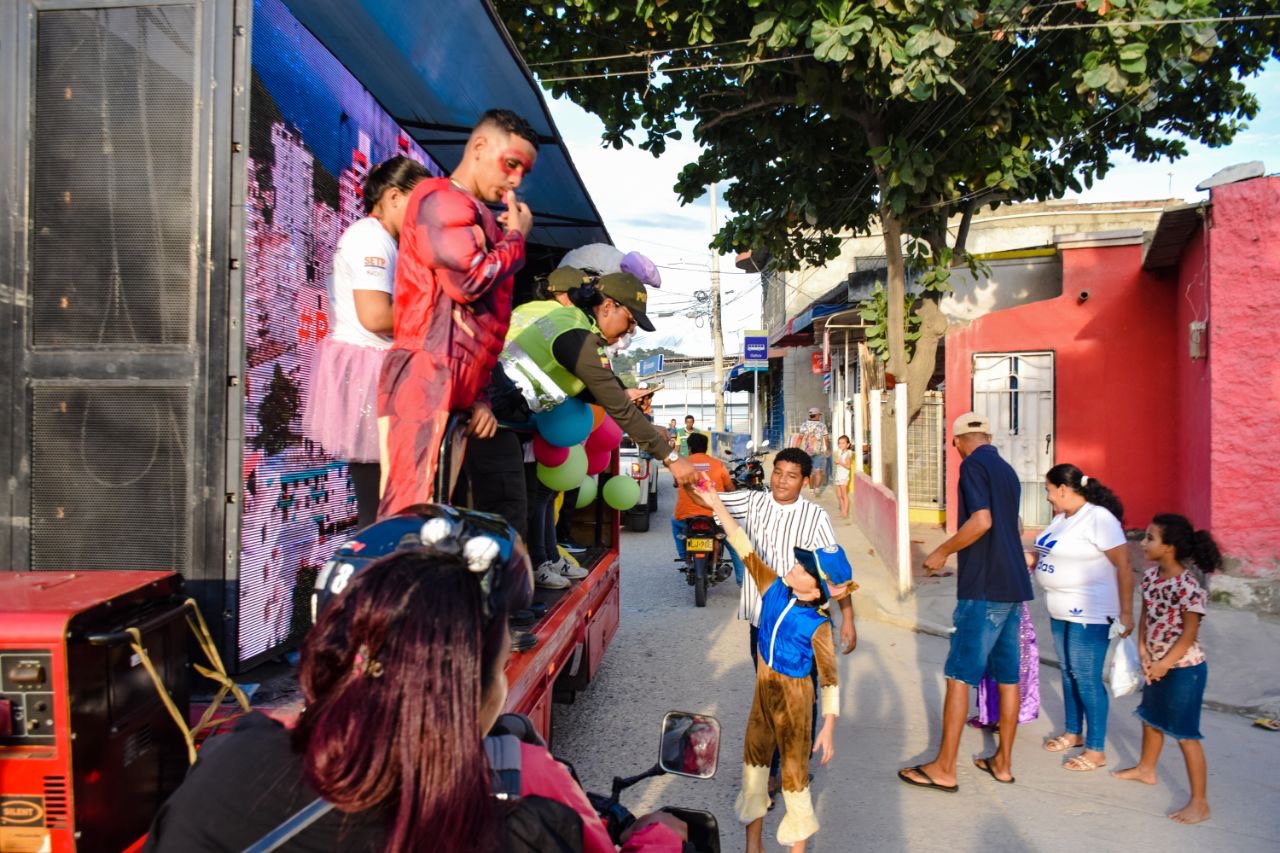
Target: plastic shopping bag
[[1126, 669]]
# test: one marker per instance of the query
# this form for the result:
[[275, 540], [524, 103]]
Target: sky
[[633, 192]]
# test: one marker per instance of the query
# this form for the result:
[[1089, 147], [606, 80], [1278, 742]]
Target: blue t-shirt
[[993, 568]]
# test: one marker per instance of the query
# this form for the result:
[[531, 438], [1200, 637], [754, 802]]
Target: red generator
[[88, 751]]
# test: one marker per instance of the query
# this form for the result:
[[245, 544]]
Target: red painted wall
[[875, 510], [1113, 401], [1244, 285], [1189, 484]]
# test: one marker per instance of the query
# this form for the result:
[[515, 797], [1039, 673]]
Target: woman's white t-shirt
[[365, 260], [1079, 581]]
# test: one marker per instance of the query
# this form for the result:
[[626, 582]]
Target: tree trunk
[[895, 295], [924, 361]]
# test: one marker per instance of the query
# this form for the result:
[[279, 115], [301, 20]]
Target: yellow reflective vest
[[528, 358]]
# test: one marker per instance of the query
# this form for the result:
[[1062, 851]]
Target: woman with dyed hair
[[403, 674]]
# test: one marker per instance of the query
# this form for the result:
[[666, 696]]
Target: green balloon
[[586, 492], [567, 474], [621, 493]]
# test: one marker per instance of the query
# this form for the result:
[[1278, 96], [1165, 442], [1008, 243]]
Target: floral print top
[[1166, 600]]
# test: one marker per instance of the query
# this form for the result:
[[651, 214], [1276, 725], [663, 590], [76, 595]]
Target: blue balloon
[[567, 424]]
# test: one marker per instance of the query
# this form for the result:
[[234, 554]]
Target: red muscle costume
[[454, 277]]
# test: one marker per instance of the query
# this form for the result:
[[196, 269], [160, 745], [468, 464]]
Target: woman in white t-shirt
[[1084, 569], [341, 414]]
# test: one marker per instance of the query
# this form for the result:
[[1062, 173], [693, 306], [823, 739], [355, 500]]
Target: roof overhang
[[435, 68], [1174, 228]]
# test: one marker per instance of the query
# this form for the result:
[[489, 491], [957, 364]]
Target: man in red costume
[[454, 277]]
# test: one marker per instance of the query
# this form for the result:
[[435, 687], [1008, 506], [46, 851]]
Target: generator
[[88, 751]]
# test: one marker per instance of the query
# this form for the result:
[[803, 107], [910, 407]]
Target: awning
[[742, 378], [1173, 230], [435, 68], [798, 331]]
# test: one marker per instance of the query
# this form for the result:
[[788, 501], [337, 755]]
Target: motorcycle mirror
[[751, 445], [764, 443], [690, 744]]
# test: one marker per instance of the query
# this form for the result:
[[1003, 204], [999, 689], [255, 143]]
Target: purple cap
[[642, 268]]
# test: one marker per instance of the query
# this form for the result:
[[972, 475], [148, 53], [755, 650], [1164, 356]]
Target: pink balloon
[[607, 436], [598, 460], [548, 454]]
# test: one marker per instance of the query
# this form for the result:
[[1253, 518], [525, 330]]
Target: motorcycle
[[706, 561], [747, 471], [689, 746]]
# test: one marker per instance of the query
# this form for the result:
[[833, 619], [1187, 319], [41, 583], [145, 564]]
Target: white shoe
[[548, 576], [570, 571]]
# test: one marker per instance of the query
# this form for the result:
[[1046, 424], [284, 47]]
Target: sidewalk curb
[[880, 613]]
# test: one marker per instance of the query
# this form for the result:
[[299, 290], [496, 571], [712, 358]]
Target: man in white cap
[[992, 583]]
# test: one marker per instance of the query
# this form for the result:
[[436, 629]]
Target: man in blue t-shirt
[[992, 584]]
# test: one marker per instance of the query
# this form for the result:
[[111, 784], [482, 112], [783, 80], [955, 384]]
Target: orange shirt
[[714, 468]]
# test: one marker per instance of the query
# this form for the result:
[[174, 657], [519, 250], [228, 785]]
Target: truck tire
[[700, 582], [638, 519], [653, 499]]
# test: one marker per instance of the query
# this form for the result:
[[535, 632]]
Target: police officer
[[555, 351]]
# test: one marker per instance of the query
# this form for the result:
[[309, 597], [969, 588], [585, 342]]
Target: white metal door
[[1015, 391]]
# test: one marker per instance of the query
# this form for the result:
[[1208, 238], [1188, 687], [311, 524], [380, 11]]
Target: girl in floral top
[[1173, 603]]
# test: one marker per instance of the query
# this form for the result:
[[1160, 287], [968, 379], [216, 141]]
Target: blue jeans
[[985, 641], [1082, 649]]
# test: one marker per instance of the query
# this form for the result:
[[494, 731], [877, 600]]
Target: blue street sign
[[650, 365], [755, 348]]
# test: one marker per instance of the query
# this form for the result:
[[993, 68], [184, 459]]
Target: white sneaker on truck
[[548, 576], [570, 571]]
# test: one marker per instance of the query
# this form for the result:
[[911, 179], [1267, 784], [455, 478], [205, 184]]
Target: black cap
[[630, 292]]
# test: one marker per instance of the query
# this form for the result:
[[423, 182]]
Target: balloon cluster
[[574, 444]]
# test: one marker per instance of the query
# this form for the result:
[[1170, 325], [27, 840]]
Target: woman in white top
[[341, 413], [1083, 567]]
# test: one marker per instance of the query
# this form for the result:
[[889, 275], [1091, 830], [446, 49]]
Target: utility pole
[[716, 337]]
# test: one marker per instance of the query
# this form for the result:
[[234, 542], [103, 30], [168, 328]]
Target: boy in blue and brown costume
[[795, 634]]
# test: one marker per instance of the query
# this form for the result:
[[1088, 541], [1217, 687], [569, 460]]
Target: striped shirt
[[775, 530]]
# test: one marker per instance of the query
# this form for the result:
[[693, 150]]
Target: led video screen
[[314, 134]]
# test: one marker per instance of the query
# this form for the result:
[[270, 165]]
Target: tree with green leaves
[[833, 118]]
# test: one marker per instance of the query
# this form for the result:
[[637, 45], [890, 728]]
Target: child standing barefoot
[[1173, 603], [843, 459]]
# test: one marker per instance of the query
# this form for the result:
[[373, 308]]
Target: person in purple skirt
[[1028, 682]]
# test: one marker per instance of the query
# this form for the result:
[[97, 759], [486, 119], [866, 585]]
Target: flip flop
[[1080, 764], [1264, 723], [902, 774], [984, 764]]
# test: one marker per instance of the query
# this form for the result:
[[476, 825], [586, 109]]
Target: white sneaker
[[548, 576], [570, 571]]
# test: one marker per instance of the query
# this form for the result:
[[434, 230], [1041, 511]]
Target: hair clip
[[480, 552], [366, 665], [1084, 480]]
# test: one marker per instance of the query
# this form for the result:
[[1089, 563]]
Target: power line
[[653, 72], [658, 51], [1094, 25]]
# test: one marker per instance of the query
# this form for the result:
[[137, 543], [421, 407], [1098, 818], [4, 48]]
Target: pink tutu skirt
[[341, 410]]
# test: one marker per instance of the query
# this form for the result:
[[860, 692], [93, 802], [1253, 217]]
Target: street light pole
[[717, 338]]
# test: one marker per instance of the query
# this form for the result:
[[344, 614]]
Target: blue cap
[[830, 563]]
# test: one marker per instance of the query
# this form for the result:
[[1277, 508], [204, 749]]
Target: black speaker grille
[[113, 237], [110, 478]]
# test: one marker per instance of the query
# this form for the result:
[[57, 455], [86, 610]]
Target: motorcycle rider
[[686, 507]]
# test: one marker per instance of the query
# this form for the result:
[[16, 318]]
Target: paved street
[[670, 655]]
